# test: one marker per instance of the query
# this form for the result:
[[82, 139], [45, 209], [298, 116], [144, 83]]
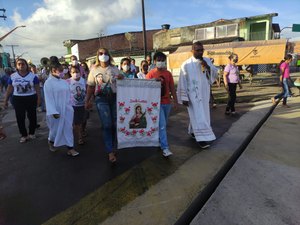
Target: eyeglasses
[[103, 53]]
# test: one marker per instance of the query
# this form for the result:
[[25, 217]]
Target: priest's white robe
[[194, 86], [58, 101]]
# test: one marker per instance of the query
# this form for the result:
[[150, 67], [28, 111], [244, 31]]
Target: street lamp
[[1, 38]]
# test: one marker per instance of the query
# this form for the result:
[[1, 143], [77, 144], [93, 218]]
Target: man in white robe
[[59, 113], [195, 79]]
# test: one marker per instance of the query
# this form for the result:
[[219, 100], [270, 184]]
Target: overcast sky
[[50, 22]]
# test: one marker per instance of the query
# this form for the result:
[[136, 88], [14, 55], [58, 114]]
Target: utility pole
[[13, 52], [144, 30]]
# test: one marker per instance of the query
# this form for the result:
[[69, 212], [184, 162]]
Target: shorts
[[79, 115]]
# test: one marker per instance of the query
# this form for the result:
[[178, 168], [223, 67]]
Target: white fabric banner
[[138, 105]]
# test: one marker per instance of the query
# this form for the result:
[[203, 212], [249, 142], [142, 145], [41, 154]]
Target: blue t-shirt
[[23, 85], [128, 75]]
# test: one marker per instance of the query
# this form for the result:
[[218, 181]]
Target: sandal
[[73, 153], [112, 157]]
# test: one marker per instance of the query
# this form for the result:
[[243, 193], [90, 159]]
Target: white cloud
[[58, 20]]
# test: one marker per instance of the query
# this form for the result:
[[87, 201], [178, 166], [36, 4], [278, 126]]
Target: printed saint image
[[139, 118]]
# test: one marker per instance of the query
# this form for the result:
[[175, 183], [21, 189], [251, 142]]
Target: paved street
[[37, 184]]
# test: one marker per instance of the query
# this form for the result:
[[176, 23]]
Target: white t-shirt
[[78, 91], [23, 86]]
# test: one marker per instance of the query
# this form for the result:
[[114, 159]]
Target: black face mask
[[235, 60]]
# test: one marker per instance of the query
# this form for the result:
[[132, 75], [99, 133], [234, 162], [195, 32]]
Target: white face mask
[[125, 68], [75, 76], [103, 58], [161, 65]]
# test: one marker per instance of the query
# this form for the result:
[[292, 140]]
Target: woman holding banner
[[102, 83]]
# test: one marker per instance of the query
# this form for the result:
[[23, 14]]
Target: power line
[[3, 16]]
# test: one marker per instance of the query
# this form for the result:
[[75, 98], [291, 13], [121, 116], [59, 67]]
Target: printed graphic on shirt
[[103, 81], [78, 92], [23, 86]]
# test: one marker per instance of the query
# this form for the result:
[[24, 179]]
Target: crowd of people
[[67, 92]]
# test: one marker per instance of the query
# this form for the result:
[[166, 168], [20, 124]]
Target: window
[[232, 30], [226, 31], [205, 33], [200, 34], [221, 31]]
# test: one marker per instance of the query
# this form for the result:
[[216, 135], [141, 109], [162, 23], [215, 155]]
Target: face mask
[[103, 58], [125, 68], [61, 74], [161, 65], [235, 60], [75, 75], [65, 71]]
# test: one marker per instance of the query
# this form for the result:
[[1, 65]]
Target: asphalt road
[[37, 184]]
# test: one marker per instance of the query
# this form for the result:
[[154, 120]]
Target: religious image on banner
[[138, 105]]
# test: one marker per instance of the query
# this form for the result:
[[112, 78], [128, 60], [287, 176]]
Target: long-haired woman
[[102, 83], [26, 97]]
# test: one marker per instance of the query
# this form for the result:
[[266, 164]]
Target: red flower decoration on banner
[[154, 104], [142, 132], [122, 130], [149, 133], [154, 119], [122, 118], [152, 129], [133, 132], [121, 104], [149, 109], [127, 133], [127, 110]]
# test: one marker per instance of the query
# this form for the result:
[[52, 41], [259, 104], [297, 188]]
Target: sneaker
[[51, 147], [203, 144], [227, 112], [31, 136], [23, 139], [167, 152], [214, 105]]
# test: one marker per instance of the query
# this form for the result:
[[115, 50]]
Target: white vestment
[[58, 101], [194, 86]]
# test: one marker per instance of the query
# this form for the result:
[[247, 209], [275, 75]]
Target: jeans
[[285, 91], [165, 110], [107, 111]]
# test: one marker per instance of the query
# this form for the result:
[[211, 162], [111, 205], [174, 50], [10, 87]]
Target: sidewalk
[[263, 186]]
